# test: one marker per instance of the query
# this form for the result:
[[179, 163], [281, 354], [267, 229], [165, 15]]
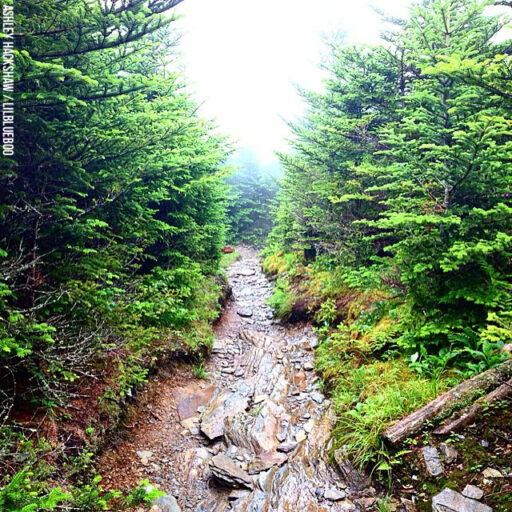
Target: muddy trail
[[252, 436]]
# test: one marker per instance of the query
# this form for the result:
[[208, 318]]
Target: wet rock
[[165, 504], [432, 461], [449, 453], [228, 473], [265, 461], [223, 405], [334, 494], [473, 492], [287, 447], [449, 500], [255, 432]]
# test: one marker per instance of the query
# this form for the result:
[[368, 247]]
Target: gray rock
[[473, 492], [432, 461], [449, 453], [244, 312], [449, 500], [317, 397], [228, 473], [166, 504], [334, 494], [287, 447]]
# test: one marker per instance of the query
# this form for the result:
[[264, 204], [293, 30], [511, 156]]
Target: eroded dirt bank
[[249, 437]]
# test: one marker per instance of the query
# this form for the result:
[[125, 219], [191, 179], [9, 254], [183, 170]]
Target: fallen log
[[456, 396], [469, 414]]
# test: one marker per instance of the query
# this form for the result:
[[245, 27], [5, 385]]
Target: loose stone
[[473, 492], [432, 461]]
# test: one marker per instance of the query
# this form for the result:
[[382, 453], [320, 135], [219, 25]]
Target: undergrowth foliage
[[394, 227], [112, 216]]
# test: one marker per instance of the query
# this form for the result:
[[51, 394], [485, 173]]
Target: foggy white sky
[[242, 58]]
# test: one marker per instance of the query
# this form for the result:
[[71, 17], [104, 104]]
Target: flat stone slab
[[473, 492], [228, 473], [246, 272], [449, 500], [223, 405], [190, 398]]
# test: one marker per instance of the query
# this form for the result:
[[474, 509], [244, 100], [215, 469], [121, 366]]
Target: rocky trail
[[252, 435]]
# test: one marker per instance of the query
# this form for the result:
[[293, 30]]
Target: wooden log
[[469, 414], [482, 382]]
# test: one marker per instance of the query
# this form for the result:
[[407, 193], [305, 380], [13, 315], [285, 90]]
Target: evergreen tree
[[113, 206], [401, 171]]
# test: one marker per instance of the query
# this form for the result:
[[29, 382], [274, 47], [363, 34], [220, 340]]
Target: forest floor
[[249, 433]]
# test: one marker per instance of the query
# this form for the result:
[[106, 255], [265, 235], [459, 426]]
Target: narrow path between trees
[[249, 437]]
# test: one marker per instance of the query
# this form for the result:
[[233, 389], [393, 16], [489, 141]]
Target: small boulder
[[449, 500], [228, 473], [317, 397], [432, 461], [492, 473], [334, 494], [223, 405], [244, 312], [449, 453], [473, 492]]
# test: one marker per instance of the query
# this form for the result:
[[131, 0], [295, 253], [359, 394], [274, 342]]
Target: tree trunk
[[482, 382], [469, 414]]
